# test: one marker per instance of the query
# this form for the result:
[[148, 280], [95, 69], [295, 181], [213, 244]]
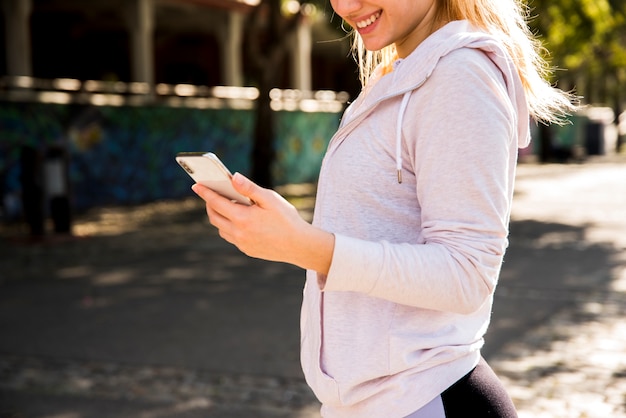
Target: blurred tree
[[587, 43], [587, 38], [269, 30]]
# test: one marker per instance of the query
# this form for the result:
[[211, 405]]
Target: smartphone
[[207, 169]]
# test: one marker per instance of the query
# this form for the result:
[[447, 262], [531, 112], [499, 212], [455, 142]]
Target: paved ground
[[565, 277], [147, 313]]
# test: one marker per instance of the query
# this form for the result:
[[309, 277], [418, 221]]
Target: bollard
[[57, 188], [32, 190]]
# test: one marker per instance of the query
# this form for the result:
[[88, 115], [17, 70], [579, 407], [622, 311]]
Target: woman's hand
[[271, 229]]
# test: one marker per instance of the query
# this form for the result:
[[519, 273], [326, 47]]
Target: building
[[195, 42], [99, 95]]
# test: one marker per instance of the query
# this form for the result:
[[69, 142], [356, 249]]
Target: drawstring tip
[[399, 176]]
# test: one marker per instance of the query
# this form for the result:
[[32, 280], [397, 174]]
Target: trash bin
[[594, 138], [562, 142], [601, 132]]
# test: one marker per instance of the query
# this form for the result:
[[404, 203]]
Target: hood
[[414, 70]]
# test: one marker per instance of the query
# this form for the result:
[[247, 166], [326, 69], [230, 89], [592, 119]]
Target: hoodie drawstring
[[403, 105]]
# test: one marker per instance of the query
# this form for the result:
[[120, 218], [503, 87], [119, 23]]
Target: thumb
[[248, 188]]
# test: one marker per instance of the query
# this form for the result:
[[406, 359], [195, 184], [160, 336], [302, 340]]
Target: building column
[[141, 26], [232, 72], [301, 57], [18, 42]]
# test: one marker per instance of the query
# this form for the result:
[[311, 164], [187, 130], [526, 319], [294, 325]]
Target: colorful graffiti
[[125, 155]]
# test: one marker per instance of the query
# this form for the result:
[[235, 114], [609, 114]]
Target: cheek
[[337, 6]]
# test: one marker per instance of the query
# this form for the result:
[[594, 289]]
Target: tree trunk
[[267, 44], [263, 154]]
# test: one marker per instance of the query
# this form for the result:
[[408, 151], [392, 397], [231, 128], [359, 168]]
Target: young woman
[[412, 209]]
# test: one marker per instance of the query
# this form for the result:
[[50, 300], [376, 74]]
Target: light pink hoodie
[[408, 297]]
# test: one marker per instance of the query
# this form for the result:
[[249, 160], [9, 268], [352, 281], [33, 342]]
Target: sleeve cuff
[[355, 266]]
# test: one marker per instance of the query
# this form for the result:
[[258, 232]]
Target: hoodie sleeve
[[461, 130]]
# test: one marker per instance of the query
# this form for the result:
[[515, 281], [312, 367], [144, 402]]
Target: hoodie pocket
[[323, 385]]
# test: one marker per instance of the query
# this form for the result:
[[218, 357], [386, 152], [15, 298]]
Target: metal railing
[[118, 93]]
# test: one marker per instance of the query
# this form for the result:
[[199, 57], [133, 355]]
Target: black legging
[[478, 394]]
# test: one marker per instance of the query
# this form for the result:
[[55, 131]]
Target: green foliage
[[587, 39]]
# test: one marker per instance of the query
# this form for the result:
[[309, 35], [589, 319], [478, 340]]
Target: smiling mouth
[[365, 23]]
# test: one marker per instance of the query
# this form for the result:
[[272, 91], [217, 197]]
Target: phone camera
[[186, 167]]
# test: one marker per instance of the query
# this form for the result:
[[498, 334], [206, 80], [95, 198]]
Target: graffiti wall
[[125, 154]]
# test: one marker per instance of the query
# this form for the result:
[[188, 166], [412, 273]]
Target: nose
[[345, 8]]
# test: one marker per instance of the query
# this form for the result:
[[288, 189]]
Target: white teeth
[[365, 23]]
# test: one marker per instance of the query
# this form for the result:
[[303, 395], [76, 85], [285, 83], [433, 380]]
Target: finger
[[214, 206], [216, 201], [215, 218], [204, 192], [248, 188]]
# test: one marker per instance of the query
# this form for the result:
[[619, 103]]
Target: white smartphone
[[207, 169]]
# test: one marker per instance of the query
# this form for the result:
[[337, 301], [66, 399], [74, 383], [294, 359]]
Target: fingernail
[[239, 179]]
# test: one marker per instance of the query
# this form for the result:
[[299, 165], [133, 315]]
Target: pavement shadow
[[150, 285], [548, 268], [154, 289]]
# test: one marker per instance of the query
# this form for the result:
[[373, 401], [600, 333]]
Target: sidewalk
[[568, 240], [147, 313]]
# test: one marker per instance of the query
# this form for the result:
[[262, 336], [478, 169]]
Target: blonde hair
[[507, 20]]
